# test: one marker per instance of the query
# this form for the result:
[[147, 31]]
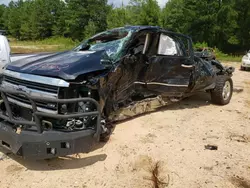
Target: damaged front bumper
[[41, 144]]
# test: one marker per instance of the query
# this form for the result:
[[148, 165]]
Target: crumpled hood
[[66, 65]]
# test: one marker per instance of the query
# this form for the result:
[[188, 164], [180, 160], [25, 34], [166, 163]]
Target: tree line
[[222, 24]]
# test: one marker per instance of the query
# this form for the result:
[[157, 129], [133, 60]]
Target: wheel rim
[[226, 91]]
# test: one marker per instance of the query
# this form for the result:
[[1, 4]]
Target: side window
[[167, 46]]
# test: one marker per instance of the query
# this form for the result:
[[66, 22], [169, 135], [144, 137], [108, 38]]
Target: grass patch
[[53, 44], [220, 55], [230, 58], [226, 57]]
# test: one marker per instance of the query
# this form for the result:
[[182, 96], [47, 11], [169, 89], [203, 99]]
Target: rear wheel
[[223, 90]]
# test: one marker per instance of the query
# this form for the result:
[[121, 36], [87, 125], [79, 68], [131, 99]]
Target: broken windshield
[[112, 42]]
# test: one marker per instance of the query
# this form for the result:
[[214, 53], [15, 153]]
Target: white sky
[[115, 2]]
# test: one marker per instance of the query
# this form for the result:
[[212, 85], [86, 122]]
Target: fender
[[228, 70]]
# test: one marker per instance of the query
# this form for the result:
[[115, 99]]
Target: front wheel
[[223, 91], [242, 68]]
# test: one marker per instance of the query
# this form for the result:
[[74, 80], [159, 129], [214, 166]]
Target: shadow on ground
[[62, 163], [195, 101]]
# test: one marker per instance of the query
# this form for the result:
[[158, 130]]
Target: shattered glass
[[112, 42]]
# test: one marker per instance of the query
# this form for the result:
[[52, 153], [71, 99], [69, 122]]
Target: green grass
[[220, 55], [230, 58], [53, 44], [225, 57]]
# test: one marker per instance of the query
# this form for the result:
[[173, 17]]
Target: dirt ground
[[169, 142]]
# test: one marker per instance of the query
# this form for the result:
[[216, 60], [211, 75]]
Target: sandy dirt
[[172, 139]]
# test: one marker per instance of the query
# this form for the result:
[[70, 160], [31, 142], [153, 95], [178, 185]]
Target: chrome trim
[[37, 79], [140, 83], [163, 84], [187, 66], [11, 100], [32, 92]]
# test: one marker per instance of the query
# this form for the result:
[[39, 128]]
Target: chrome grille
[[34, 89], [52, 106], [31, 85]]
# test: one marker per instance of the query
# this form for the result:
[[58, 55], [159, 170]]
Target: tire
[[242, 68], [104, 137], [223, 91]]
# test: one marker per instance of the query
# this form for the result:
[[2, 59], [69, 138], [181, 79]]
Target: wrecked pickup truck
[[62, 103]]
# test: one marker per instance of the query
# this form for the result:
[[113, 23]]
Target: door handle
[[187, 66]]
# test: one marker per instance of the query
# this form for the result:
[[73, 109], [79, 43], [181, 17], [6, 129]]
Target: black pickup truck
[[62, 103]]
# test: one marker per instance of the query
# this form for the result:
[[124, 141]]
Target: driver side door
[[170, 69]]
